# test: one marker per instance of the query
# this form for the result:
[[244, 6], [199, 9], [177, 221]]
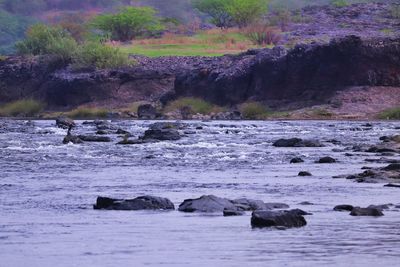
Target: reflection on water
[[47, 190]]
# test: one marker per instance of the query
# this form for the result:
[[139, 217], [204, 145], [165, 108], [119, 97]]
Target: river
[[47, 192]]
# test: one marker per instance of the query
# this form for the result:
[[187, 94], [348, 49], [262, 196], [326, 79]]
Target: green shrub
[[100, 56], [2, 58], [46, 40], [197, 106], [321, 112], [83, 113], [390, 114], [261, 34], [23, 108], [254, 111], [129, 23], [339, 3]]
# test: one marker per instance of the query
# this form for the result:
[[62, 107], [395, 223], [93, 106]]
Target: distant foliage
[[254, 111], [46, 40], [226, 13], [88, 113], [100, 56], [21, 108], [129, 23], [390, 114], [196, 105], [261, 34], [339, 3]]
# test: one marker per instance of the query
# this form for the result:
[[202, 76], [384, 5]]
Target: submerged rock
[[284, 218], [94, 138], [392, 185], [69, 138], [304, 173], [326, 160], [296, 160], [296, 142], [370, 211], [139, 203], [343, 207]]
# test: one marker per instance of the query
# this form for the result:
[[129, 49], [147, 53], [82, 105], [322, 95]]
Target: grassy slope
[[207, 43]]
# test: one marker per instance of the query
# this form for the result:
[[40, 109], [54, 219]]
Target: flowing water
[[47, 191]]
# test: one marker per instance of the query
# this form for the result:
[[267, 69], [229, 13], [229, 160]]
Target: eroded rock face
[[287, 219], [139, 203], [309, 73]]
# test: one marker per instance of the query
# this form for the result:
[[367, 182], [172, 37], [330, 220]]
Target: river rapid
[[47, 192]]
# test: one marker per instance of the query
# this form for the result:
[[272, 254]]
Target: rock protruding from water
[[326, 160], [283, 218], [94, 138], [208, 203], [65, 123], [304, 173], [163, 132], [228, 213], [139, 203], [390, 173], [343, 207], [69, 138], [296, 142], [370, 211], [296, 160]]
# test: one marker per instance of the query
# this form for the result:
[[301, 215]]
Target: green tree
[[225, 13], [217, 10], [129, 23], [246, 12]]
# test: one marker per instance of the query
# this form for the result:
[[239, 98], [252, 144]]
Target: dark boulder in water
[[296, 142], [228, 213], [65, 123], [326, 160], [304, 173], [69, 138], [370, 211], [139, 203], [296, 160], [94, 138], [392, 185], [343, 207], [208, 203], [282, 218], [162, 135], [252, 204]]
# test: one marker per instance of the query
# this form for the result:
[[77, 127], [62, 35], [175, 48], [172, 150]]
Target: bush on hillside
[[47, 40], [129, 23], [261, 34], [196, 105], [254, 111], [21, 108], [390, 114], [100, 56]]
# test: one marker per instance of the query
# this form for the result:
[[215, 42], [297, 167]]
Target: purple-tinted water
[[47, 190]]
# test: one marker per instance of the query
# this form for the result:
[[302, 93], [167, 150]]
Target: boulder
[[296, 142], [94, 138], [65, 123], [343, 207], [326, 160], [162, 135], [69, 138], [147, 112], [304, 173], [283, 218], [139, 203], [207, 203], [233, 213], [296, 160], [252, 204], [392, 185], [370, 211]]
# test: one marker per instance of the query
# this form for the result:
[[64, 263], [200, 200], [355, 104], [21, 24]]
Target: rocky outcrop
[[370, 211], [308, 73], [390, 173], [286, 219], [139, 203]]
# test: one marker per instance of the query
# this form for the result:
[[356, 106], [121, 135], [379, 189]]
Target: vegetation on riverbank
[[22, 108], [390, 114]]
